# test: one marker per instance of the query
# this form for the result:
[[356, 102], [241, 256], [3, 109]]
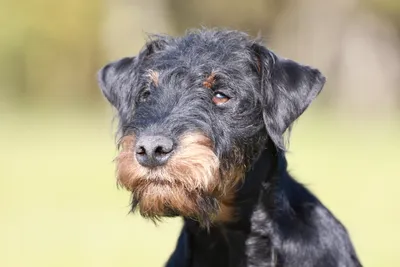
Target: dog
[[202, 123]]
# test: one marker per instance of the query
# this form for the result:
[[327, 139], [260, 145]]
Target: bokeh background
[[59, 205]]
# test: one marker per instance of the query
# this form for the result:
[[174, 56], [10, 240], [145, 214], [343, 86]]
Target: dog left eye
[[220, 98]]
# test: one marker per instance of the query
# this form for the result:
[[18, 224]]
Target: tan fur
[[209, 82], [227, 212], [191, 172], [153, 75]]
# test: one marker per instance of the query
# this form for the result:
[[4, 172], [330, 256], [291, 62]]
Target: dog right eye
[[144, 96]]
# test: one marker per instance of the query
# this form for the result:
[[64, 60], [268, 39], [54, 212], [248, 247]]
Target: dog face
[[195, 112]]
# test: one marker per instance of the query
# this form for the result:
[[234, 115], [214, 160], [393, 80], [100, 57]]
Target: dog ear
[[287, 89], [116, 79], [111, 80]]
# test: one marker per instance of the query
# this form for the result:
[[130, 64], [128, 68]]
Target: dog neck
[[229, 237], [260, 178]]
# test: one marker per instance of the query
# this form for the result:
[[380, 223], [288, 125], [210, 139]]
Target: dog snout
[[153, 151]]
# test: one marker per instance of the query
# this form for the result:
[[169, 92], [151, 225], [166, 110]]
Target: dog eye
[[220, 98], [144, 96]]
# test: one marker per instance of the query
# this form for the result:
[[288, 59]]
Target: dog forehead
[[205, 48]]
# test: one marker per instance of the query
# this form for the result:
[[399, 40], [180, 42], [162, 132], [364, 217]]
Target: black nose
[[153, 151]]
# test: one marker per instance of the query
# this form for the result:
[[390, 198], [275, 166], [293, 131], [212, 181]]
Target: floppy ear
[[111, 80], [116, 79], [287, 89]]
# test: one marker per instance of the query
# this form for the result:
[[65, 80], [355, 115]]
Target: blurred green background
[[59, 205]]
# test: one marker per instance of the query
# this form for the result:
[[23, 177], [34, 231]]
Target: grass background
[[59, 205]]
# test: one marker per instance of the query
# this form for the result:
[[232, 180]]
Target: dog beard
[[188, 185]]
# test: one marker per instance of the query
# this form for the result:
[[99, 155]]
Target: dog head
[[195, 112]]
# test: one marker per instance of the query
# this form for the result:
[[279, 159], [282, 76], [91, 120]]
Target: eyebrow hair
[[209, 82], [153, 75]]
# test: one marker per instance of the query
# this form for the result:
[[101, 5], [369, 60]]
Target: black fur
[[281, 223]]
